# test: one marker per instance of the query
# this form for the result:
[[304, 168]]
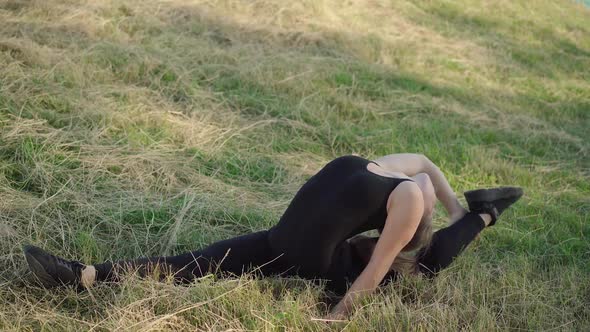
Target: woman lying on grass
[[317, 236]]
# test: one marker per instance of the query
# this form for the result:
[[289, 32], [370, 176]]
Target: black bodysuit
[[310, 240], [343, 199]]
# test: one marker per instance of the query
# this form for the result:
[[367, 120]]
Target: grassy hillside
[[151, 127]]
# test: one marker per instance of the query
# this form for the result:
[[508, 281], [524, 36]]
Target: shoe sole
[[489, 195], [37, 268]]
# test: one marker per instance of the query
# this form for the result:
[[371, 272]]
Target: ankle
[[487, 218], [88, 276]]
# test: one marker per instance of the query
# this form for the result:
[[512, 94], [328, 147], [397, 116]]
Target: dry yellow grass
[[151, 127]]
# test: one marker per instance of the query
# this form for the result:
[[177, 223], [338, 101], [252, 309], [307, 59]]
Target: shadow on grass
[[346, 84], [550, 117]]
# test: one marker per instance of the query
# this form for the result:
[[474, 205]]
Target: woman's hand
[[344, 308], [406, 207], [337, 314]]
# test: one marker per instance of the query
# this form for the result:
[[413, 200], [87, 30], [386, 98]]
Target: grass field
[[151, 127]]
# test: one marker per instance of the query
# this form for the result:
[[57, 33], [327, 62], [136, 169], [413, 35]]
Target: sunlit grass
[[156, 127]]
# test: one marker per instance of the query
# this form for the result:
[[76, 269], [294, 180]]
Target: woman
[[317, 236]]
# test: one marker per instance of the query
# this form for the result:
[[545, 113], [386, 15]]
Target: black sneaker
[[52, 271], [492, 201]]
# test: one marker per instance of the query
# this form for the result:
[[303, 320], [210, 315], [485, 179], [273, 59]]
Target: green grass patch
[[131, 129]]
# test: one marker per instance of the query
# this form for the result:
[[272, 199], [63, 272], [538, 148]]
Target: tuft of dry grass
[[153, 127]]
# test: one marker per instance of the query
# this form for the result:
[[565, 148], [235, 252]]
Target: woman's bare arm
[[404, 214], [412, 164]]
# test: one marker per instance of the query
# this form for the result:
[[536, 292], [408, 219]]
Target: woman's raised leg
[[449, 242]]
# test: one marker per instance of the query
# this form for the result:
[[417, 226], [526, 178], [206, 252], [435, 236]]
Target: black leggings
[[252, 253]]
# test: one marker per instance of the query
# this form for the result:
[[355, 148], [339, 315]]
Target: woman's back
[[341, 200]]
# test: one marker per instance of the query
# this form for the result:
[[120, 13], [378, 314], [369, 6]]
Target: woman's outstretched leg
[[449, 242], [486, 206], [446, 245], [246, 253]]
